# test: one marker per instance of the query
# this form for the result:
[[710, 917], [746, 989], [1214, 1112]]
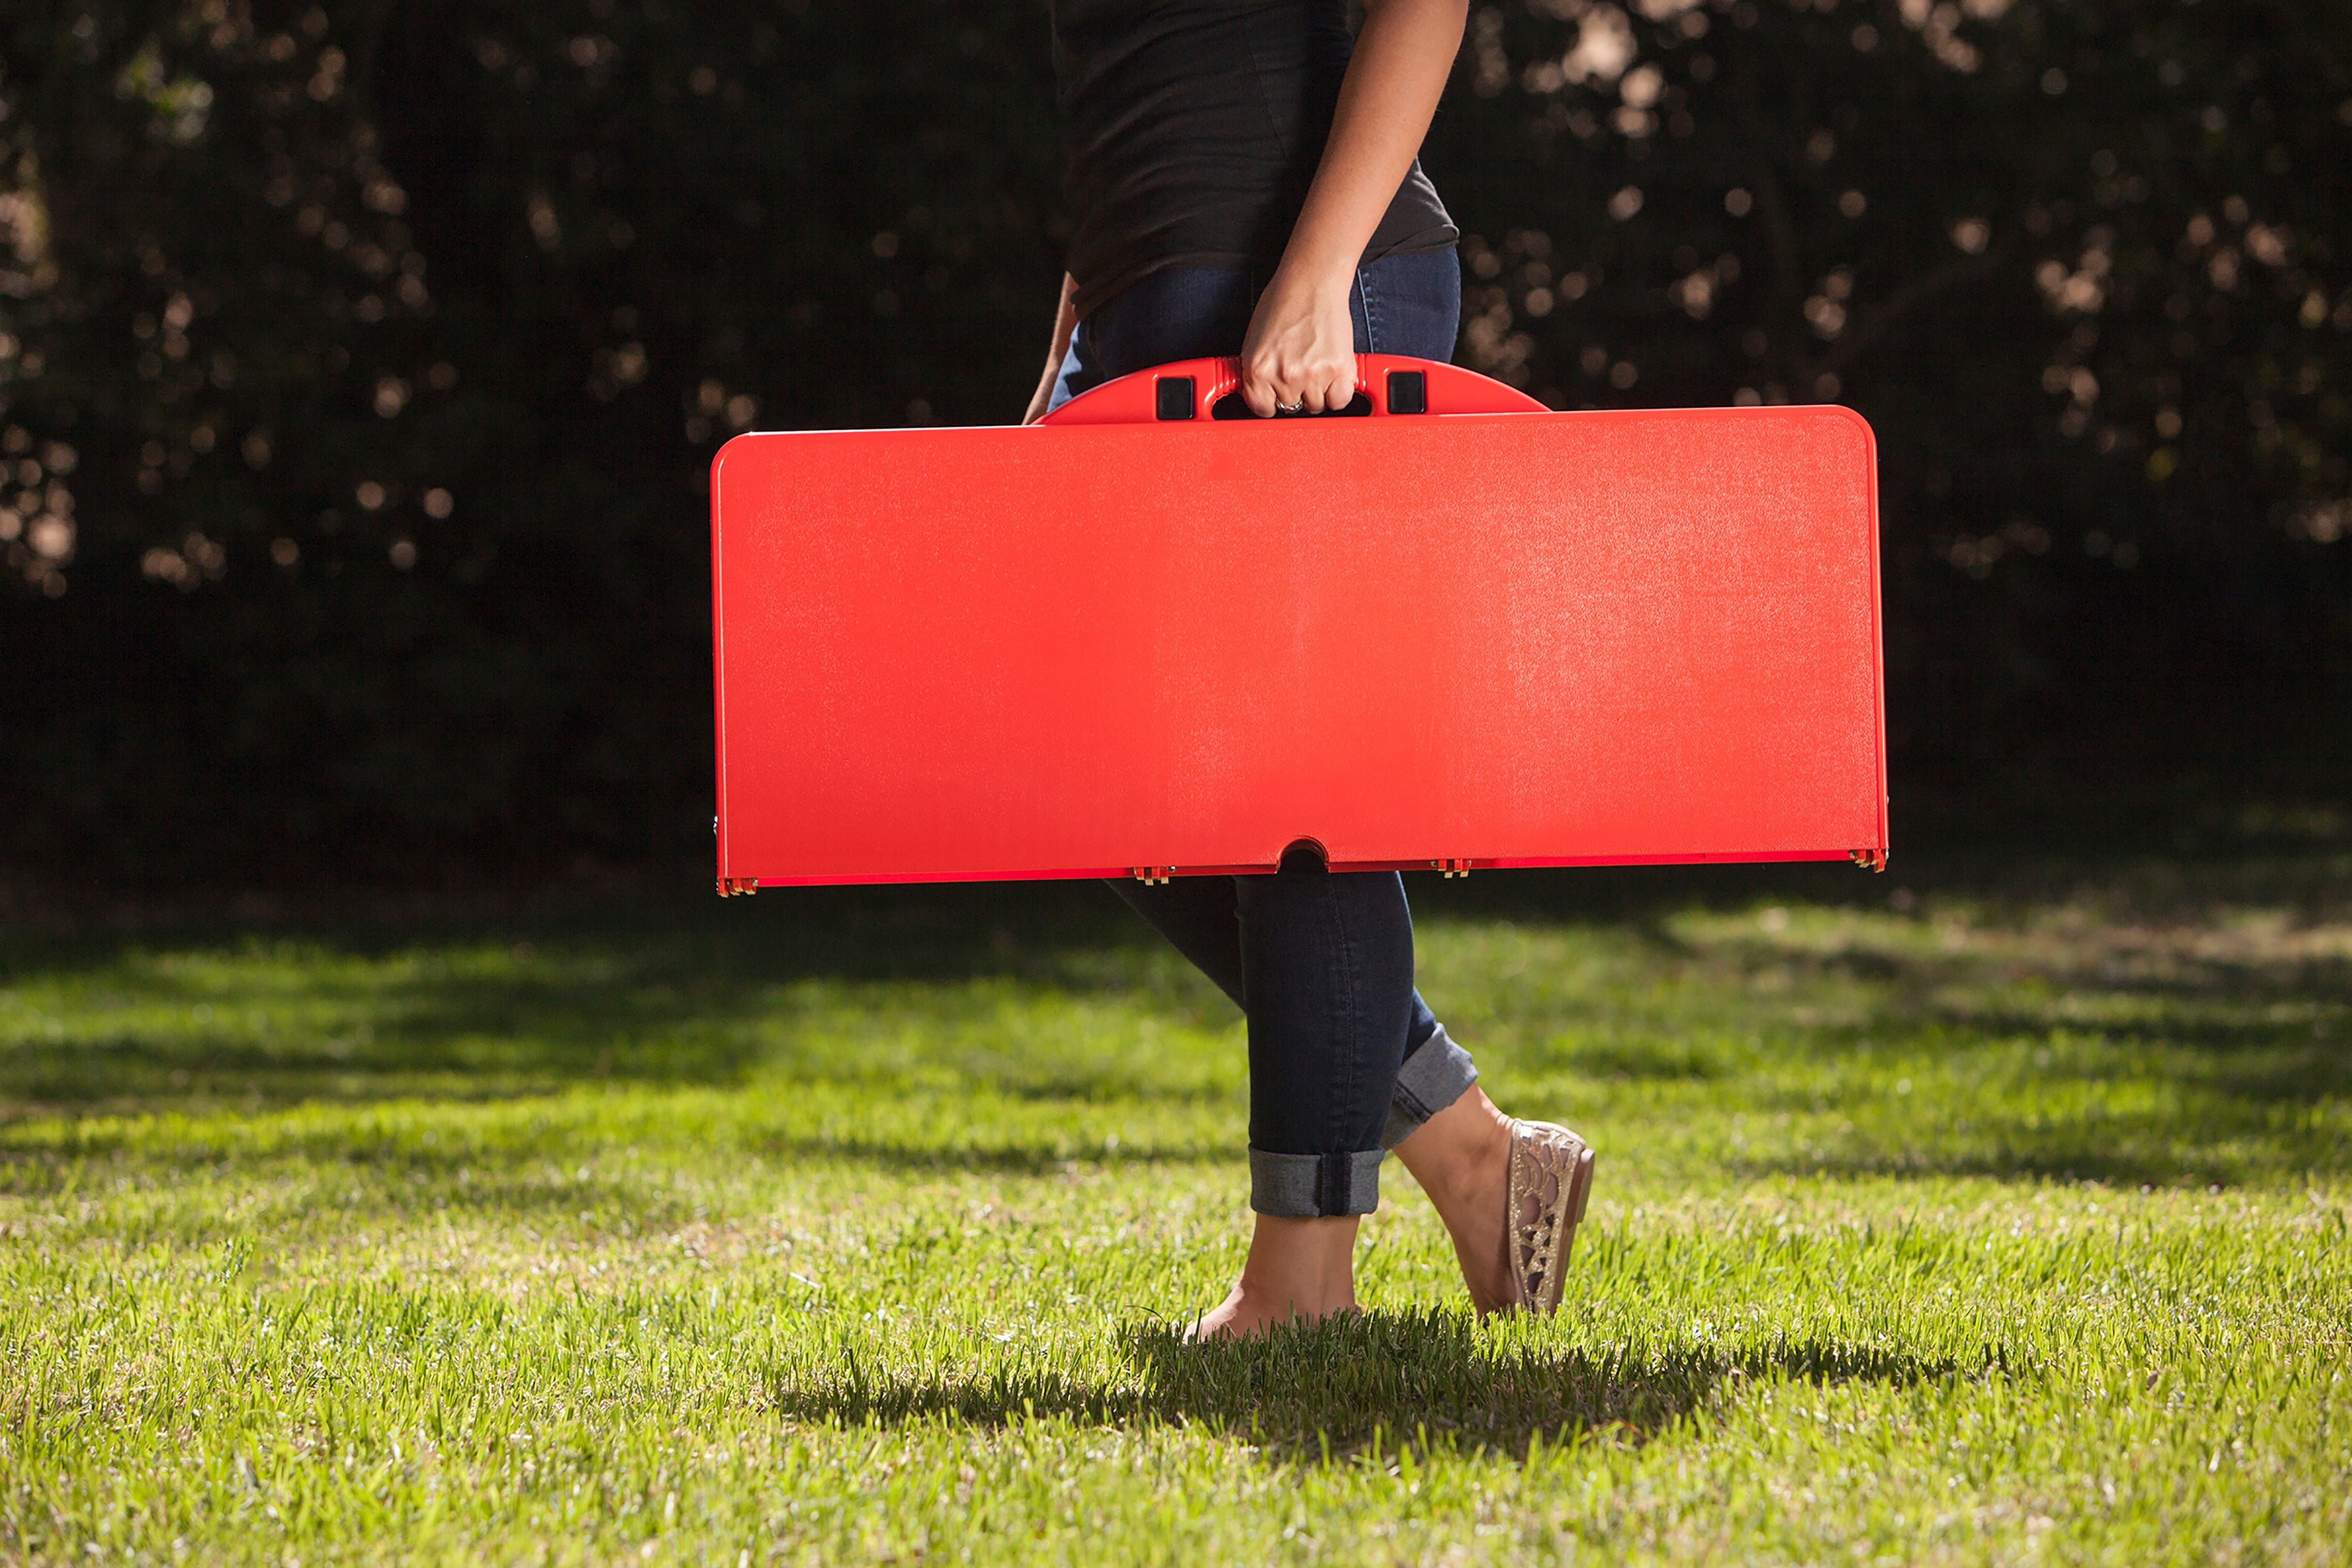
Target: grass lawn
[[1976, 1216]]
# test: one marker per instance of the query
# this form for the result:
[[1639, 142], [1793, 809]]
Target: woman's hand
[[1301, 344], [1301, 348]]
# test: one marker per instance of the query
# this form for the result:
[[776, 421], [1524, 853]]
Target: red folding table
[[1142, 639]]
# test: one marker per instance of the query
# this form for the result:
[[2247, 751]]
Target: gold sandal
[[1552, 1179]]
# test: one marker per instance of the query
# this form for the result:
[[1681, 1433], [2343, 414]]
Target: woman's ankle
[[1298, 1271], [1305, 1265], [1461, 1158], [1459, 1148]]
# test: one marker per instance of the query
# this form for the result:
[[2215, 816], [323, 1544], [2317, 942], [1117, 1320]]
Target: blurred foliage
[[359, 366], [2085, 267]]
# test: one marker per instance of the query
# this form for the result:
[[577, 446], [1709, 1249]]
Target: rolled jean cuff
[[1432, 1078], [1315, 1186]]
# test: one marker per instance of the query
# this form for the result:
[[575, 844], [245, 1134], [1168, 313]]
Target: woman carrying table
[[1245, 180]]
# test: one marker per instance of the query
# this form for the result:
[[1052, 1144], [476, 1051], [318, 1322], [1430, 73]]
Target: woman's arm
[[1065, 322], [1301, 344]]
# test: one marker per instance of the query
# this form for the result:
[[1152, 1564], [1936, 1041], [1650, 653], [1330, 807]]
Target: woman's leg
[[1200, 918], [1328, 958], [1450, 1136], [1321, 964], [1454, 1140], [1322, 967], [1326, 982]]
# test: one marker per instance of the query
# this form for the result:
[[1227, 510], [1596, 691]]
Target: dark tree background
[[360, 363]]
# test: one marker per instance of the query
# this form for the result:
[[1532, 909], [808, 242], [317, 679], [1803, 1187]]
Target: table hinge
[[1148, 875], [1869, 859], [735, 886]]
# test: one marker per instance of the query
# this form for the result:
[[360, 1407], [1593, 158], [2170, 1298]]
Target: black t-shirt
[[1194, 128]]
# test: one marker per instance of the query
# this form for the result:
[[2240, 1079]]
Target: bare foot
[[1241, 1318], [1298, 1271], [1461, 1158]]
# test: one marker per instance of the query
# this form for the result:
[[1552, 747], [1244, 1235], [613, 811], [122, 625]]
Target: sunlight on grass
[[845, 1228]]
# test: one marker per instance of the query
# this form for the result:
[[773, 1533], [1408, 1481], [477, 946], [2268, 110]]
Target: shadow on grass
[[2217, 1137], [2156, 1165], [662, 992], [683, 989], [2063, 1165], [2254, 1057], [523, 1168], [1423, 1379]]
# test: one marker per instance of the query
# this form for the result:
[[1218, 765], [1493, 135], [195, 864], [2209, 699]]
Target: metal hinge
[[1869, 859], [735, 886], [1151, 875], [1450, 867]]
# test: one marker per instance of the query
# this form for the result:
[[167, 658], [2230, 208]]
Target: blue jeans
[[1345, 1059]]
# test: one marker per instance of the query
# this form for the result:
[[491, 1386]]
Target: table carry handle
[[1190, 389]]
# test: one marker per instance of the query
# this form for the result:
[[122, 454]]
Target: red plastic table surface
[[1115, 644]]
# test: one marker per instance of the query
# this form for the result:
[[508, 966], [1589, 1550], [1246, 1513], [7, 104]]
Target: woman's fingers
[[1270, 387], [1272, 384], [1258, 391]]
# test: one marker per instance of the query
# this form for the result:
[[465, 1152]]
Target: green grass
[[1972, 1218]]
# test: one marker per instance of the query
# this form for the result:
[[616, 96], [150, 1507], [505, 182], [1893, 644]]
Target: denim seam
[[1349, 1010], [1370, 291]]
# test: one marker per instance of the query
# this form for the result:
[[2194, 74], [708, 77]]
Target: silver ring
[[1298, 407]]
